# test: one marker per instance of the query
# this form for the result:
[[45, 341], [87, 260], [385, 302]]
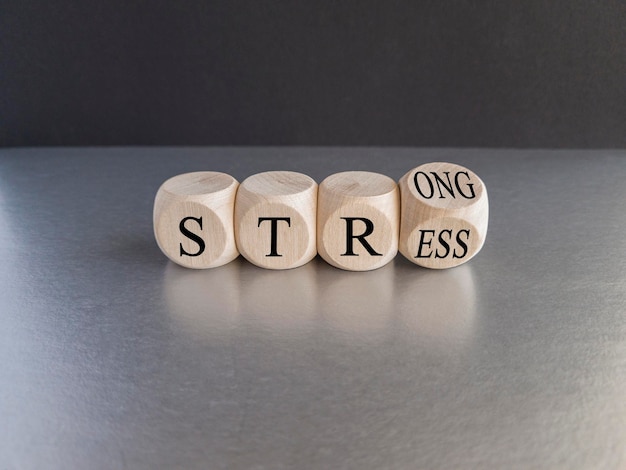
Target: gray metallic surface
[[112, 357]]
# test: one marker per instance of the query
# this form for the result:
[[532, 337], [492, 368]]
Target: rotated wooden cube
[[193, 219], [358, 220], [275, 219], [445, 213]]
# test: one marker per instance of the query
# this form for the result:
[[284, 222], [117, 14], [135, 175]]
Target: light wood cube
[[275, 219], [193, 219], [445, 213], [358, 220]]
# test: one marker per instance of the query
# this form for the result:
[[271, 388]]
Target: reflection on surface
[[279, 299], [240, 293], [203, 300], [356, 302], [439, 304], [397, 298]]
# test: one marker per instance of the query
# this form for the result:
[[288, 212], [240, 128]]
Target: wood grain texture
[[275, 219], [193, 219], [445, 213], [358, 220]]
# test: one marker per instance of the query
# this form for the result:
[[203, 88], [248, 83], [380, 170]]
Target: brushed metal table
[[112, 357]]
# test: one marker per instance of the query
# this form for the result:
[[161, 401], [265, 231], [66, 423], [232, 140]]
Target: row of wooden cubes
[[436, 216]]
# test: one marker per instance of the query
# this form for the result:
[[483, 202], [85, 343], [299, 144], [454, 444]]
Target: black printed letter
[[274, 232], [417, 185], [369, 228], [461, 243], [423, 242], [469, 185], [191, 236], [443, 243]]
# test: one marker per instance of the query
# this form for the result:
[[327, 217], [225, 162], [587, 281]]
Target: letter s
[[191, 236], [461, 243]]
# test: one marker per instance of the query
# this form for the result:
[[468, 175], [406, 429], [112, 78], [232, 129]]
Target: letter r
[[369, 228]]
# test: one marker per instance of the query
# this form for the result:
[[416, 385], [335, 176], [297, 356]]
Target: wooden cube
[[193, 219], [358, 220], [445, 212], [275, 218]]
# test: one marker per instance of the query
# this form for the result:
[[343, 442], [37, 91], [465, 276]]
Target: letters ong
[[436, 216], [440, 182]]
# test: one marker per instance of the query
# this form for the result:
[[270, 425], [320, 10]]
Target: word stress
[[436, 216]]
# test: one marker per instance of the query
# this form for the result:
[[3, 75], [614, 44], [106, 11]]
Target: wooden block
[[193, 219], [275, 217], [445, 213], [358, 220]]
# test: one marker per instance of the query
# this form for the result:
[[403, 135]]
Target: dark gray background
[[432, 73]]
